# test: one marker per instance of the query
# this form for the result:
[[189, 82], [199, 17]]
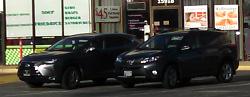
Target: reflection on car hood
[[45, 55], [141, 53]]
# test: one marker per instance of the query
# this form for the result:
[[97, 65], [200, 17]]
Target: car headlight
[[52, 61], [149, 59], [44, 64], [118, 59]]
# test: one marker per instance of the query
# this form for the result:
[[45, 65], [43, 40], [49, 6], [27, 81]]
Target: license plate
[[26, 73], [127, 73]]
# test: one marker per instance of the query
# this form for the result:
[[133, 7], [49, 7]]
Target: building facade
[[46, 25], [172, 15]]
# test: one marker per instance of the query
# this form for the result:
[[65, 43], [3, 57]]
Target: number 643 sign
[[107, 14]]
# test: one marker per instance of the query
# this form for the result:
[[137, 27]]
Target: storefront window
[[227, 2], [247, 27], [164, 2], [137, 15], [224, 2], [194, 2]]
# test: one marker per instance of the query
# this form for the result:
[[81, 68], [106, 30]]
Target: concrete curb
[[8, 71]]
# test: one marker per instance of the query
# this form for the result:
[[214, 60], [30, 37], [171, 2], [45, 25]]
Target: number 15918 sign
[[107, 14]]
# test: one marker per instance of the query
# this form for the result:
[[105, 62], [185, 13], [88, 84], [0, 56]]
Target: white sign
[[107, 14], [226, 17], [1, 5], [19, 18], [166, 1], [195, 17], [48, 17], [77, 17]]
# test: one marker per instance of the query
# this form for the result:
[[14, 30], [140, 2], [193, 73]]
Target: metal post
[[62, 6], [241, 21], [211, 13], [33, 26], [3, 34]]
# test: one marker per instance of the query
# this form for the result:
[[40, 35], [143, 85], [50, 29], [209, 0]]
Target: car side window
[[208, 38], [190, 41], [115, 42], [99, 43]]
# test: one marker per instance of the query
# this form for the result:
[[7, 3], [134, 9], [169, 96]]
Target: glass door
[[165, 20]]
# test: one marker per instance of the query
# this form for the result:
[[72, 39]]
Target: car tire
[[225, 73], [128, 84], [71, 78], [170, 78], [34, 84], [99, 81]]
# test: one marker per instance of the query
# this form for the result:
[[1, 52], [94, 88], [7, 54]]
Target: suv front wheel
[[225, 73], [170, 78], [71, 78]]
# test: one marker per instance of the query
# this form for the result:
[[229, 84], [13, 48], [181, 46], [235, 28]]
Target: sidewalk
[[244, 65], [6, 70]]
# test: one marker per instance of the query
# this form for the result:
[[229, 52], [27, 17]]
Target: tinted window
[[99, 43], [191, 41], [116, 42], [162, 42], [69, 44], [208, 38]]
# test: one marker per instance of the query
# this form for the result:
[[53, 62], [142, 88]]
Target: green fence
[[13, 53]]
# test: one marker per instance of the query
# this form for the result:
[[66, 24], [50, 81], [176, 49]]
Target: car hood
[[47, 55], [141, 53]]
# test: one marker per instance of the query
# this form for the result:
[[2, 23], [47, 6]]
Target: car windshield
[[69, 44], [162, 42]]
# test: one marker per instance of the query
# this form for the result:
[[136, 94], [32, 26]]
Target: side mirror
[[90, 49], [185, 48]]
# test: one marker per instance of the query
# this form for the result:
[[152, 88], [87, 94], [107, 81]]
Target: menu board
[[226, 17], [18, 18], [77, 17], [196, 17], [48, 17]]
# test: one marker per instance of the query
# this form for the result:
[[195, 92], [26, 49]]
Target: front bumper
[[138, 73], [28, 72]]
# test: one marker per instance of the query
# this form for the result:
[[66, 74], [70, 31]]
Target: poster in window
[[77, 17], [18, 18], [195, 17], [48, 17], [226, 17]]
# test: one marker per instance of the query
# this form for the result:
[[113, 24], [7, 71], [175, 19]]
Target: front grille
[[24, 66]]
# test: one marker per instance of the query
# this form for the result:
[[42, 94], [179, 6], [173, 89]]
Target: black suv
[[176, 57], [76, 58]]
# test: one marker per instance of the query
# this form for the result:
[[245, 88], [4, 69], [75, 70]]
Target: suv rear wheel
[[170, 78], [226, 73], [71, 78]]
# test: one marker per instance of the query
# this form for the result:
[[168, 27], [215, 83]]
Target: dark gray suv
[[176, 57], [76, 58]]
